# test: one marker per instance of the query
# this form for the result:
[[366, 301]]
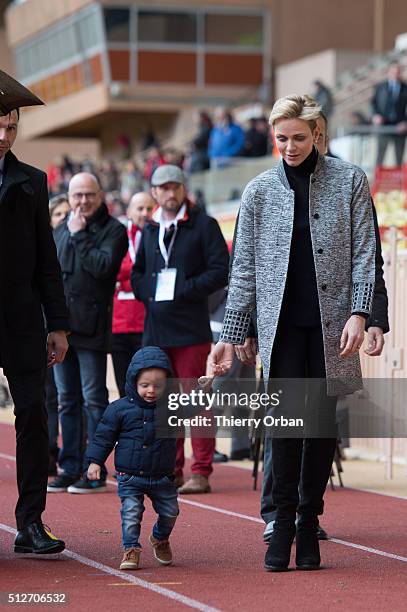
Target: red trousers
[[190, 362]]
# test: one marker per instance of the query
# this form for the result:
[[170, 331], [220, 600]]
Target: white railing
[[391, 364]]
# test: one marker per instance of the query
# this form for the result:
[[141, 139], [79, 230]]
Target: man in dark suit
[[389, 105], [30, 288]]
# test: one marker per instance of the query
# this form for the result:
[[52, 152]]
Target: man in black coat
[[389, 106], [182, 259], [30, 288], [91, 245]]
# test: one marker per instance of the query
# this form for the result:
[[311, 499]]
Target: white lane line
[[183, 599], [370, 550], [403, 497], [7, 457], [254, 519]]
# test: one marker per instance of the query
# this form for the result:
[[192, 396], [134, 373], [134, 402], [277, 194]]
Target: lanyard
[[133, 246], [166, 254]]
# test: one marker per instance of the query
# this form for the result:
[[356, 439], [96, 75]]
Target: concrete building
[[113, 69]]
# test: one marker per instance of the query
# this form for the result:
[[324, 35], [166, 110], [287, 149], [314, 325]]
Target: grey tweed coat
[[343, 244]]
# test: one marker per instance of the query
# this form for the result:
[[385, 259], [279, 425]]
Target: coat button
[[144, 445], [316, 216], [320, 251], [141, 472], [153, 274], [323, 287], [150, 299]]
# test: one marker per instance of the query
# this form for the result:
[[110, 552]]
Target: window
[[166, 27], [117, 25], [236, 30]]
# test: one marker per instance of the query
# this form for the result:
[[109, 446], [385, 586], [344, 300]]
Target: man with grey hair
[[91, 245]]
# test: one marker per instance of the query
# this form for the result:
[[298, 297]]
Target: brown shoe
[[179, 481], [196, 484], [131, 559], [162, 550]]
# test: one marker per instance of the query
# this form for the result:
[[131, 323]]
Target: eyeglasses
[[90, 195]]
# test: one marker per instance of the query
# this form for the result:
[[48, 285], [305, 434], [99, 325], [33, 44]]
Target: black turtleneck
[[300, 303]]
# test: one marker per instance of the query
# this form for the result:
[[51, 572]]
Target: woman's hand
[[221, 358], [94, 471], [352, 336], [246, 353]]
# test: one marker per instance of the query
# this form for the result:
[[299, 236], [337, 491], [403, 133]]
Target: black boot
[[279, 550], [36, 539], [307, 555]]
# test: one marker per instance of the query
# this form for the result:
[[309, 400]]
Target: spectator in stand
[[154, 158], [199, 159], [226, 140], [174, 157], [256, 142], [128, 313], [130, 181], [125, 146], [149, 139], [91, 246], [54, 175], [118, 210], [182, 259], [322, 94], [108, 176], [389, 106]]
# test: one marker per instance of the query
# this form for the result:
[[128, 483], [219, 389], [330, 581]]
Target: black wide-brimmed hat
[[13, 95]]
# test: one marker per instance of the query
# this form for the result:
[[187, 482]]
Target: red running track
[[218, 556]]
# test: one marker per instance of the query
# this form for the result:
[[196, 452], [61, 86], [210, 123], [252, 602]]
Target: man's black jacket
[[90, 260], [201, 258], [381, 103], [30, 276]]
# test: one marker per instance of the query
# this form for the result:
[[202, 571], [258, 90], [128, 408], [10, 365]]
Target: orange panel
[[160, 67], [96, 68], [236, 69], [120, 65]]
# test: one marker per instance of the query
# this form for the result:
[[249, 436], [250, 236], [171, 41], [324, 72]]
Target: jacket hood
[[147, 357]]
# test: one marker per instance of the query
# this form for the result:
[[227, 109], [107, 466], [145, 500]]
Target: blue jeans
[[163, 495], [82, 370]]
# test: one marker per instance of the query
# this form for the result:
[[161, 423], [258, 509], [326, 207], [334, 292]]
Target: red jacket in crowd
[[128, 313]]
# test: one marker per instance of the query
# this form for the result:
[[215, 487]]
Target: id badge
[[165, 289]]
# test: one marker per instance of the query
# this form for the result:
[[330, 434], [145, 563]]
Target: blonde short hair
[[296, 107]]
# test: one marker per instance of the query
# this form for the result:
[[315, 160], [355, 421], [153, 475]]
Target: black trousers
[[31, 423], [51, 404], [298, 352], [399, 143], [123, 348]]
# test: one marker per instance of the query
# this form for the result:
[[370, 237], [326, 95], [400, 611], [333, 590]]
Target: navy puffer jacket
[[131, 422]]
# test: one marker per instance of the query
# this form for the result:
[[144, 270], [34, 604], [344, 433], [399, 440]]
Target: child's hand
[[94, 471]]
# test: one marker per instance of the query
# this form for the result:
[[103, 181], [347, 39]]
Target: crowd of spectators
[[216, 142]]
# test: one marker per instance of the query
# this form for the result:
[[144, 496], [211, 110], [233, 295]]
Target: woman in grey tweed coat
[[305, 258]]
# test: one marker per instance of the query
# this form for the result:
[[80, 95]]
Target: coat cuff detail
[[235, 326], [362, 297]]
